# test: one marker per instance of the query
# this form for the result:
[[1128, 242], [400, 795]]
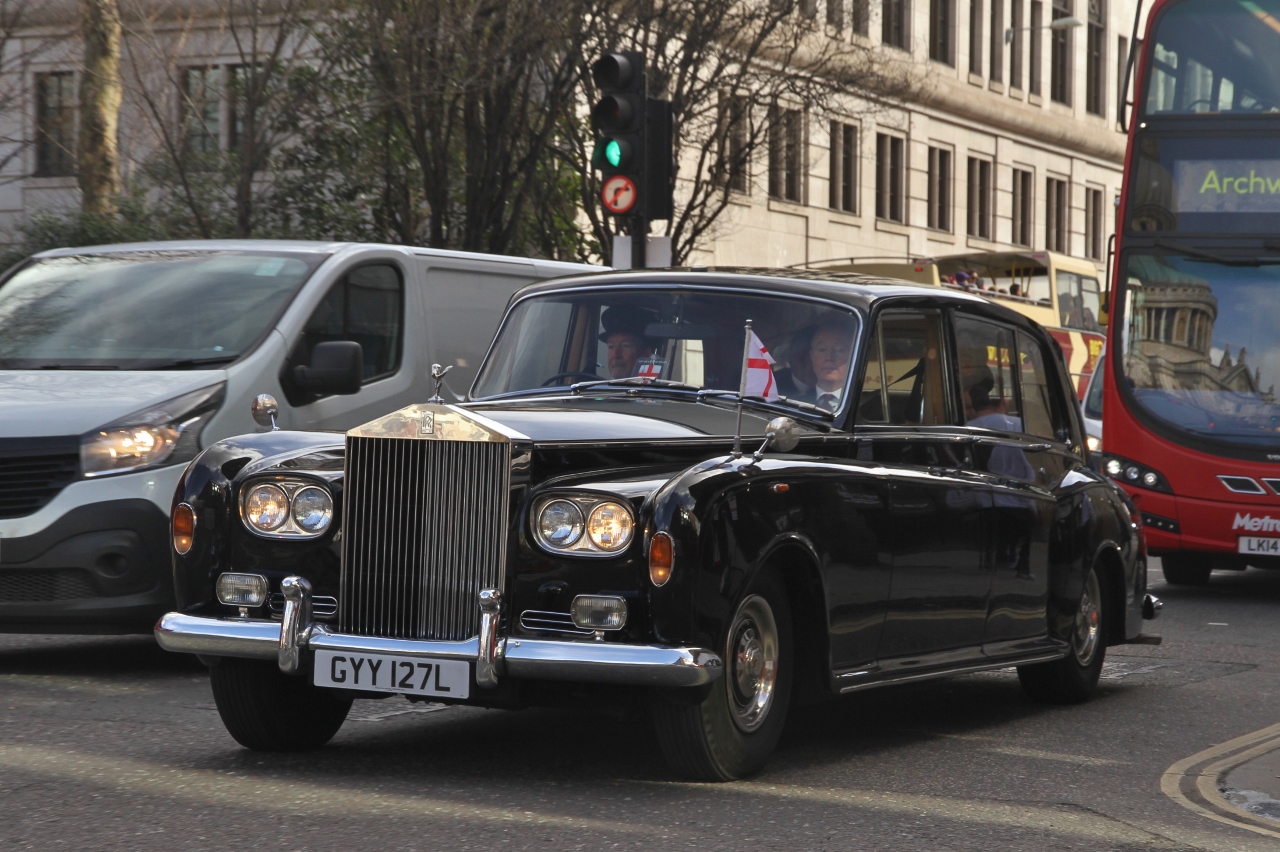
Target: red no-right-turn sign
[[618, 194]]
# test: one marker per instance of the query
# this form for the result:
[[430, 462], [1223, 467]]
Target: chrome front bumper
[[290, 640]]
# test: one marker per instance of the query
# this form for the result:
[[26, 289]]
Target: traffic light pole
[[639, 236]]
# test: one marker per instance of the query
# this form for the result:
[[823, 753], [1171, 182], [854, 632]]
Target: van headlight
[[168, 433], [583, 524], [286, 508]]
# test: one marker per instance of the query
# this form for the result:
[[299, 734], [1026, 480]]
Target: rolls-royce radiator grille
[[425, 530]]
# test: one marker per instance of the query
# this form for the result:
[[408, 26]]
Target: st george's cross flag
[[757, 373]]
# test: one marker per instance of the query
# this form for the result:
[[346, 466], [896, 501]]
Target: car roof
[[853, 289], [314, 246]]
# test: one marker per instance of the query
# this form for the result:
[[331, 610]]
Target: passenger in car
[[624, 335], [796, 380], [830, 352]]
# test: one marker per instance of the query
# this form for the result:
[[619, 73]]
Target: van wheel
[[1075, 677], [266, 710], [1187, 569], [732, 732]]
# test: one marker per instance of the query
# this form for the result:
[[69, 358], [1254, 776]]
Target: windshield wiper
[[78, 367], [769, 405], [634, 381], [1202, 254], [187, 363]]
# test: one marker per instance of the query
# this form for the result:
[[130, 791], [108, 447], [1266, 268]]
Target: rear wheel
[[1187, 569], [1074, 678], [266, 710], [732, 732]]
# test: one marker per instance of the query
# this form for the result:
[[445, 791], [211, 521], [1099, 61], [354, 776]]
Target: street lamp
[[1058, 24]]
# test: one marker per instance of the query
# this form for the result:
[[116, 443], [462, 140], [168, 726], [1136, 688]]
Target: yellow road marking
[[1204, 768]]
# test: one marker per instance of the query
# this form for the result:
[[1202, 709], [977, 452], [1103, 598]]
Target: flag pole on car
[[742, 390]]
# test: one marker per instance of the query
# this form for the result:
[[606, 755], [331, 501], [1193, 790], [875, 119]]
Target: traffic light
[[619, 119]]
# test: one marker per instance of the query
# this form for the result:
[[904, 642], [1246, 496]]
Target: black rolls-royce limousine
[[714, 491]]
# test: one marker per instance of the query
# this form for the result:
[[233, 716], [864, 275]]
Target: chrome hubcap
[[1088, 621], [753, 659]]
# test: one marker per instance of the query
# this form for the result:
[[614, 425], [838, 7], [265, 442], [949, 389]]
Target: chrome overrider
[[290, 640]]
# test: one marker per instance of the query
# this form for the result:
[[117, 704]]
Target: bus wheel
[[1187, 569]]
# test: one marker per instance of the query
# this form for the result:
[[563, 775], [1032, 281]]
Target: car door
[[905, 422], [1007, 403]]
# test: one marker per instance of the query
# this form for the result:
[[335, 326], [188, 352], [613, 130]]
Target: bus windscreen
[[1214, 57]]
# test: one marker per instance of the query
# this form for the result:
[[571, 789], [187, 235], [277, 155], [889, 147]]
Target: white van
[[119, 363]]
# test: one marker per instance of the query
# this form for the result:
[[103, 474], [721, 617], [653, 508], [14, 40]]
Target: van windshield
[[145, 310]]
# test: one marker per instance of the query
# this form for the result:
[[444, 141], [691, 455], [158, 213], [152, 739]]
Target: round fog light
[[1114, 467], [266, 507], [1150, 480], [1131, 472], [610, 526]]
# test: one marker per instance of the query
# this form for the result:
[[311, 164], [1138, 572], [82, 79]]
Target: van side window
[[903, 385], [987, 355], [367, 306]]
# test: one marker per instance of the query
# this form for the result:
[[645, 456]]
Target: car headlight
[[168, 433], [583, 524], [286, 508]]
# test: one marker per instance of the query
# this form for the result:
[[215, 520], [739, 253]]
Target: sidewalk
[[1254, 786]]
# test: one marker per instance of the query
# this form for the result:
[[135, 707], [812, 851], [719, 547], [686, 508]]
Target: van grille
[[425, 527], [33, 471]]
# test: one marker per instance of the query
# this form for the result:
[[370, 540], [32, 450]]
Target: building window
[[1056, 215], [997, 40], [809, 8], [844, 166], [893, 23], [862, 17], [980, 195], [890, 178], [940, 189], [1036, 60], [734, 155], [1060, 56], [835, 14], [55, 124], [1015, 47], [786, 154], [1093, 223], [941, 27], [1021, 208], [1122, 66], [975, 37], [201, 108], [1095, 70]]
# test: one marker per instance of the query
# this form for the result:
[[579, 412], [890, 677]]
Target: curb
[[1193, 781]]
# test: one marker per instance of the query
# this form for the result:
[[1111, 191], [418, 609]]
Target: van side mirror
[[337, 367]]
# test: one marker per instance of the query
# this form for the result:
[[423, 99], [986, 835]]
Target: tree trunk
[[100, 93]]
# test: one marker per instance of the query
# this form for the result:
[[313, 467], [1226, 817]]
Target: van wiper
[[188, 363], [78, 367], [1212, 257], [633, 381]]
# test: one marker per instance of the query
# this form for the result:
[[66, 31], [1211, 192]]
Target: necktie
[[827, 402]]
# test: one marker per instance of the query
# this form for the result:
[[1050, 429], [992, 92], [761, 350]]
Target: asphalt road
[[110, 743]]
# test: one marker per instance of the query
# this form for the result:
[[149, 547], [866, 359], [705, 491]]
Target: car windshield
[[693, 337], [1202, 348], [144, 310]]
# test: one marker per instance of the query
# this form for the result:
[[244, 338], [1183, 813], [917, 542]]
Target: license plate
[[1254, 545], [389, 673]]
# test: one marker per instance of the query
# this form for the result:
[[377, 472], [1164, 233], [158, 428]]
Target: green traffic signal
[[613, 153]]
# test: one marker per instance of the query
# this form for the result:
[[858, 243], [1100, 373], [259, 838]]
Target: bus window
[[1091, 303]]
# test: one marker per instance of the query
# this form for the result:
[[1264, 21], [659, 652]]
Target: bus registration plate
[[1255, 546]]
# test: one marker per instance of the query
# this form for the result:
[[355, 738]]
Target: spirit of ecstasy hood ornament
[[437, 373]]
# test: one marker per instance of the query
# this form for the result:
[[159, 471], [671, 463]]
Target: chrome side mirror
[[782, 435], [264, 409]]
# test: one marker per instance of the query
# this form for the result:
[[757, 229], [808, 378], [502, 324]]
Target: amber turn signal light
[[660, 559], [184, 527]]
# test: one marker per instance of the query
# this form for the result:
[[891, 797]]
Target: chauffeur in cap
[[624, 334]]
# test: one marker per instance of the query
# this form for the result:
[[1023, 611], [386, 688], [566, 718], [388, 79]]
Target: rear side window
[[1037, 395], [903, 384], [367, 306], [987, 353]]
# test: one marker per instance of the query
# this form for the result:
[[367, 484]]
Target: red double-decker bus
[[1191, 420]]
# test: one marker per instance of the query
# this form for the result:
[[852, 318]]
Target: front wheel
[[731, 733], [1074, 678], [266, 710]]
